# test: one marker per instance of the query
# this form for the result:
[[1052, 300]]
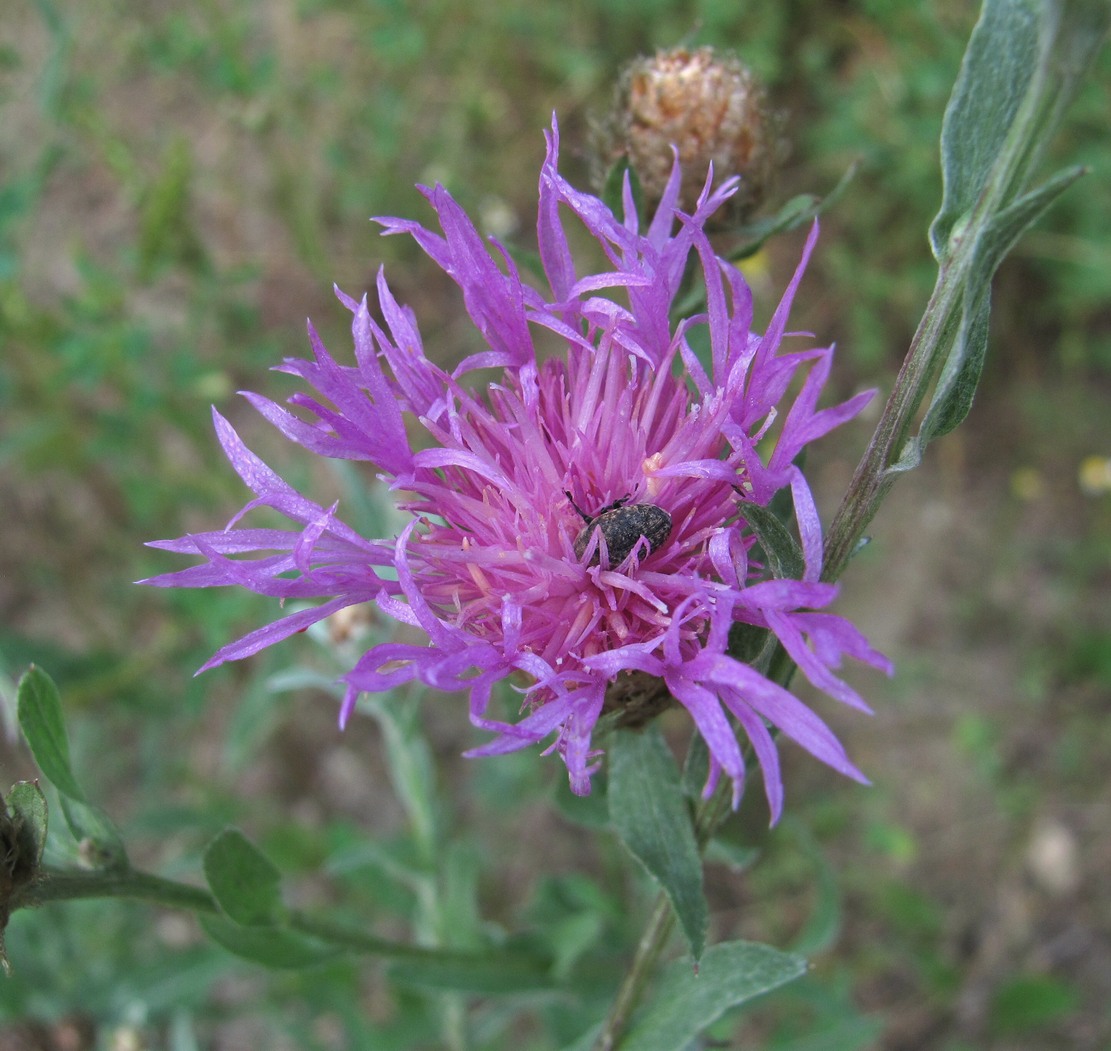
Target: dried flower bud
[[712, 108]]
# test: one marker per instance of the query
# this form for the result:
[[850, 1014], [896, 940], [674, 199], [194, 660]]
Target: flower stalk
[[874, 475], [64, 884]]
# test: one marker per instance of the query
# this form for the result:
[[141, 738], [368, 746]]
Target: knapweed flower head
[[709, 107], [581, 521]]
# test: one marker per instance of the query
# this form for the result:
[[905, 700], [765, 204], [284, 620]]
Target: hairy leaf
[[685, 1003], [649, 812]]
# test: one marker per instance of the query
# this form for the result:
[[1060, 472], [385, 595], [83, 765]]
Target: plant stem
[[56, 884], [640, 971], [935, 334]]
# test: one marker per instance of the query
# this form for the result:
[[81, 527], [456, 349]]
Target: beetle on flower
[[493, 566], [621, 528]]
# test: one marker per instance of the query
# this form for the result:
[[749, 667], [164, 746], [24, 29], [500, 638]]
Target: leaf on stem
[[247, 886], [798, 211], [685, 1003], [245, 882], [650, 814], [39, 708], [1000, 59], [1024, 63], [781, 550]]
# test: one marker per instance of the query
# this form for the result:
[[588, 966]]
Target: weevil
[[622, 525]]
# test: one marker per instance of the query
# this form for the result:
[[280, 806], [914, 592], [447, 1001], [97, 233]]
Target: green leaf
[[696, 766], [40, 718], [650, 814], [995, 73], [100, 842], [782, 551], [572, 937], [685, 1003], [1009, 225], [412, 768], [1025, 61], [1023, 65], [28, 811], [751, 644], [737, 856], [275, 947], [952, 398], [804, 208], [244, 881]]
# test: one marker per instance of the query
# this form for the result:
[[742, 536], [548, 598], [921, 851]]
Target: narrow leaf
[[614, 186], [244, 881], [649, 813], [780, 548], [1001, 57], [275, 947], [685, 1003], [804, 208], [40, 718], [1024, 64], [952, 398], [1010, 224]]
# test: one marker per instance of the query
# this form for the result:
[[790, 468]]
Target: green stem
[[640, 971], [54, 885], [933, 339]]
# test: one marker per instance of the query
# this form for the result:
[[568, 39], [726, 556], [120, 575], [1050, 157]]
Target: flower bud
[[710, 107]]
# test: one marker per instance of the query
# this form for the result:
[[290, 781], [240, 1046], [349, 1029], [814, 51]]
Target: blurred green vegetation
[[179, 186]]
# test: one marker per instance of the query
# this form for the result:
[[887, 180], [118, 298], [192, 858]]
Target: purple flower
[[625, 414]]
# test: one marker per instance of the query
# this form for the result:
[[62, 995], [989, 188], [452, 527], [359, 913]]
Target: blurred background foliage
[[179, 187]]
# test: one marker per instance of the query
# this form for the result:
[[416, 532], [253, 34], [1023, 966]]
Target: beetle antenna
[[585, 517]]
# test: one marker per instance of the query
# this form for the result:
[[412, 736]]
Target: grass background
[[179, 187]]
